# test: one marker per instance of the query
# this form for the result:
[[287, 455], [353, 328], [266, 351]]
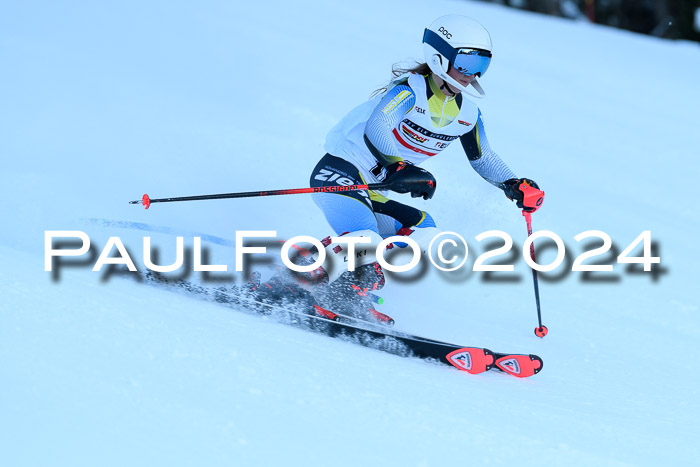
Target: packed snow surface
[[102, 102]]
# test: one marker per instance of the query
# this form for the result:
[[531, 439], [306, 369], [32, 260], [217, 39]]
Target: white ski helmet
[[461, 42]]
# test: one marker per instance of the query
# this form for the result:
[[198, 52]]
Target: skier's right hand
[[407, 178], [513, 191]]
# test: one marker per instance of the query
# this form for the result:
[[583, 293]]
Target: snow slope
[[102, 102]]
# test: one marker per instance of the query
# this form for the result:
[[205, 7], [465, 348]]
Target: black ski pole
[[146, 201], [541, 330], [532, 200]]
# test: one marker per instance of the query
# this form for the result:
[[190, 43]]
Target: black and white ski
[[473, 360]]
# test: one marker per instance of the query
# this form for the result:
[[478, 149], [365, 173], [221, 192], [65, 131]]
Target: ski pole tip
[[541, 331], [145, 200]]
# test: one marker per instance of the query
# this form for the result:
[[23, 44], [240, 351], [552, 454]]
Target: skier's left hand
[[511, 188]]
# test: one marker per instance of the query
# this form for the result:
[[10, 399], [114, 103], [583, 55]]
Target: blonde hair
[[398, 70]]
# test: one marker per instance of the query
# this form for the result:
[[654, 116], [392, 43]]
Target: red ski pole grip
[[532, 197]]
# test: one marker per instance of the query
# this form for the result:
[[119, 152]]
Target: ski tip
[[473, 360], [541, 331], [520, 366], [540, 363]]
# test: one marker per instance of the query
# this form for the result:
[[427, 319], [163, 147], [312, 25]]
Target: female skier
[[385, 139]]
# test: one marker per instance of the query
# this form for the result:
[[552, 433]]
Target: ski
[[377, 335], [518, 365]]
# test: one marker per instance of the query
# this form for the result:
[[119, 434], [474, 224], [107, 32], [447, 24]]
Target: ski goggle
[[466, 61]]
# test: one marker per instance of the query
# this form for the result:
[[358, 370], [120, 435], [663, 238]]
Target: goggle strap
[[439, 44]]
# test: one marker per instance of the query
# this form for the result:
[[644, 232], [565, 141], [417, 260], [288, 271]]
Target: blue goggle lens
[[472, 62]]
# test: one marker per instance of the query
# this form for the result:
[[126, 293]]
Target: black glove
[[511, 188], [407, 178]]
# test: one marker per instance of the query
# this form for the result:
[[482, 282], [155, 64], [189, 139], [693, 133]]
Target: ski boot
[[280, 290], [350, 293]]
